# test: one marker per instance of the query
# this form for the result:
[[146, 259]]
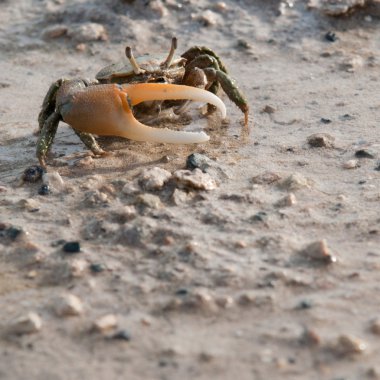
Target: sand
[[270, 273]]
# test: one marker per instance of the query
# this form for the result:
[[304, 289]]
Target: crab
[[124, 94]]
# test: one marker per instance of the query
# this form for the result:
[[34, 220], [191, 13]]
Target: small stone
[[54, 31], [340, 7], [105, 323], [377, 167], [89, 32], [68, 305], [221, 6], [54, 181], [84, 162], [12, 233], [268, 109], [206, 164], [97, 268], [150, 201], [325, 120], [347, 345], [71, 247], [208, 18], [77, 267], [319, 251], [266, 178], [81, 48], [195, 179], [375, 326], [321, 140], [294, 182], [351, 164], [352, 63], [365, 153], [44, 190], [310, 338], [373, 373], [28, 324], [224, 302], [287, 201], [33, 173], [122, 335], [154, 178], [330, 36], [130, 188], [29, 204], [179, 197]]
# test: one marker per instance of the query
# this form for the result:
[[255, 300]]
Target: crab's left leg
[[230, 88]]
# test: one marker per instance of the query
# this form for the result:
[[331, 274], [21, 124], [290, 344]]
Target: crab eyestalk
[[132, 60], [173, 48]]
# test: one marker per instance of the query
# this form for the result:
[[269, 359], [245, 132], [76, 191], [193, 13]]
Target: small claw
[[106, 110]]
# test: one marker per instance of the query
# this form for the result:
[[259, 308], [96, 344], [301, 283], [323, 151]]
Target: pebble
[[330, 36], [130, 188], [154, 178], [375, 326], [287, 201], [207, 165], [340, 7], [77, 267], [27, 324], [44, 190], [208, 18], [11, 233], [122, 335], [310, 338], [319, 250], [97, 268], [105, 323], [87, 161], [88, 32], [54, 181], [68, 305], [347, 345], [54, 31], [268, 109], [32, 173], [321, 140], [294, 182], [150, 201], [365, 153], [352, 63], [71, 247], [351, 164], [266, 178], [29, 204], [179, 197], [195, 179]]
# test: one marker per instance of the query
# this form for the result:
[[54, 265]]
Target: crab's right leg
[[48, 105], [46, 136], [89, 140]]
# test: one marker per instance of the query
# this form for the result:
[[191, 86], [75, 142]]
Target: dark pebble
[[321, 140], [44, 190], [362, 182], [261, 216], [97, 268], [197, 160], [182, 292], [330, 36], [33, 173], [365, 153], [325, 121], [304, 305], [122, 335], [11, 232], [377, 167], [71, 247]]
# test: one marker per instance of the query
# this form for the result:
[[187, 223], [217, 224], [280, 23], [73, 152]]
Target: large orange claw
[[106, 110]]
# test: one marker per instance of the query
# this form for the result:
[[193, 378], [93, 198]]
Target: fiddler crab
[[124, 93]]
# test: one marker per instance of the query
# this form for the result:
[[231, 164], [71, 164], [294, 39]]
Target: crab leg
[[106, 110]]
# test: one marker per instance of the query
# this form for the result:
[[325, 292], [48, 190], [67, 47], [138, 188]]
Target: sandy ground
[[199, 284]]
